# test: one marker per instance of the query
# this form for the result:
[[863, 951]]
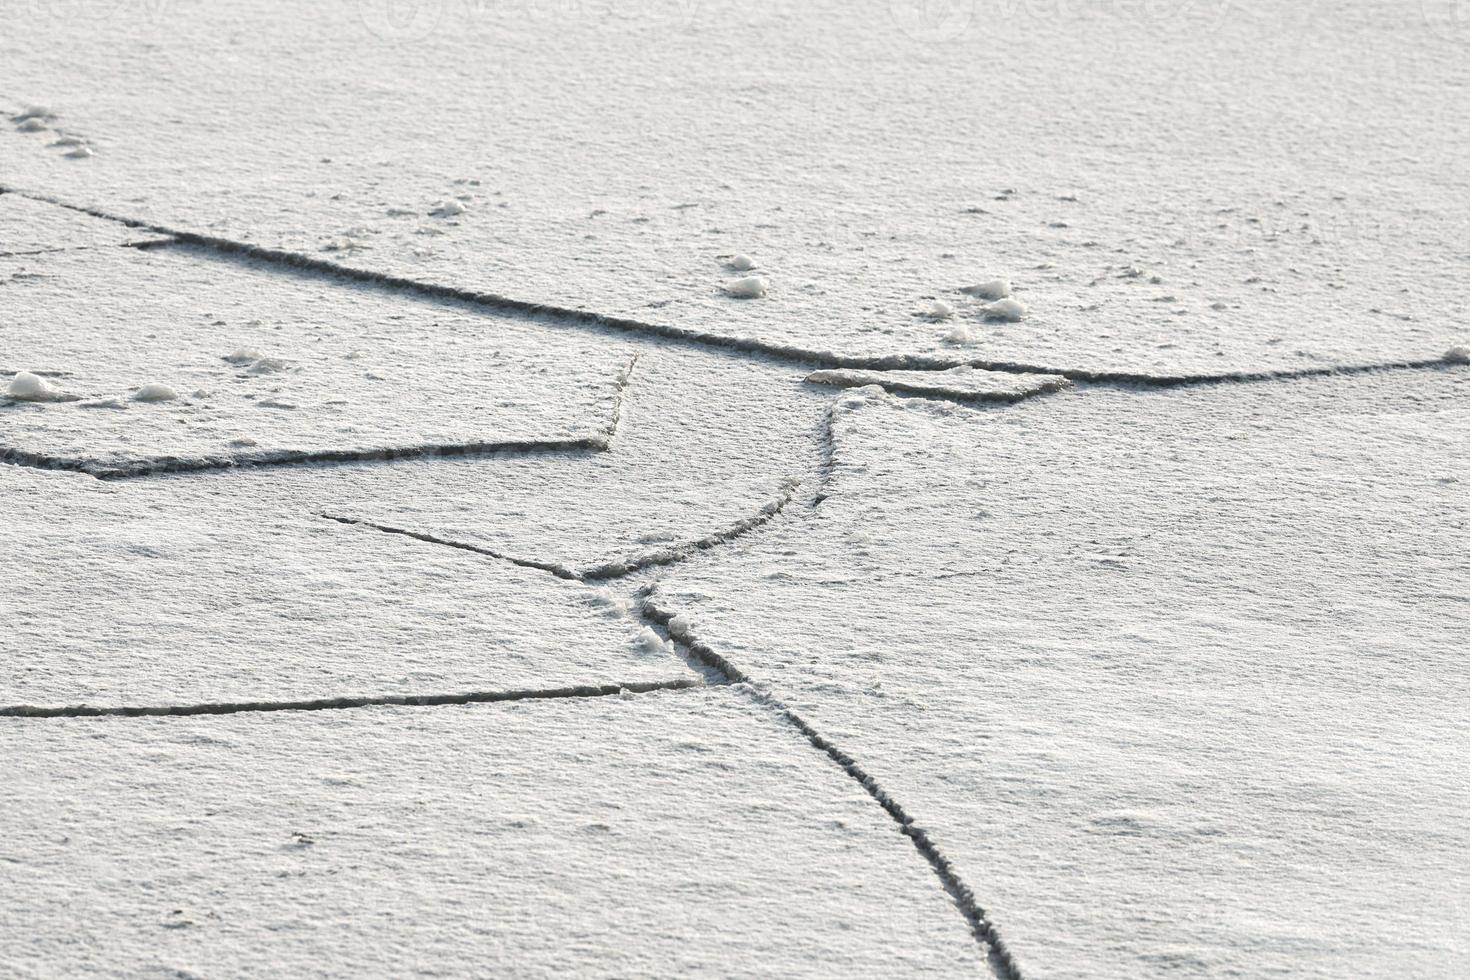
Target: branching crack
[[609, 571], [1001, 961], [333, 704]]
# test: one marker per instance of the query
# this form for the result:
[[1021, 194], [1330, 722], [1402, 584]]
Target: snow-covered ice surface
[[707, 444], [662, 835], [1059, 669], [28, 226], [271, 367], [1176, 678], [963, 383], [1172, 189], [127, 596]]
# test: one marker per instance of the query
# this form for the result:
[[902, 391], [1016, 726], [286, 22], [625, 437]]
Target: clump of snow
[[243, 355], [34, 112], [990, 289], [939, 310], [1010, 310], [79, 152], [448, 209], [650, 642], [68, 141], [155, 392], [959, 334], [1457, 355], [244, 442], [32, 125], [611, 603], [266, 365], [679, 626], [751, 287], [741, 263], [28, 387]]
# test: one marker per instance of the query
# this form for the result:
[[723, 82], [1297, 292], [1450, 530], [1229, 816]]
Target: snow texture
[[127, 596], [29, 226], [693, 835], [962, 383], [339, 370], [1173, 189], [1175, 678]]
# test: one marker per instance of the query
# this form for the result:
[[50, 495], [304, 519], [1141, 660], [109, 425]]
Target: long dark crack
[[998, 954], [609, 571], [784, 353], [160, 465], [600, 441], [334, 704]]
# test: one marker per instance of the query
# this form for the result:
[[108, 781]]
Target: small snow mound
[[28, 387], [32, 125], [243, 355], [939, 310], [448, 209], [34, 112], [1009, 310], [244, 442], [990, 289], [266, 365], [79, 152], [68, 141], [679, 626], [611, 603], [1457, 355], [155, 392], [959, 334], [650, 642], [751, 287], [741, 263]]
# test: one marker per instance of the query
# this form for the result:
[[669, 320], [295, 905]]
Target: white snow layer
[[1175, 678], [963, 383], [686, 834], [1143, 248]]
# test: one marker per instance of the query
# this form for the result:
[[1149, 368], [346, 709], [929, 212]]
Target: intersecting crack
[[333, 704], [998, 954], [743, 345]]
